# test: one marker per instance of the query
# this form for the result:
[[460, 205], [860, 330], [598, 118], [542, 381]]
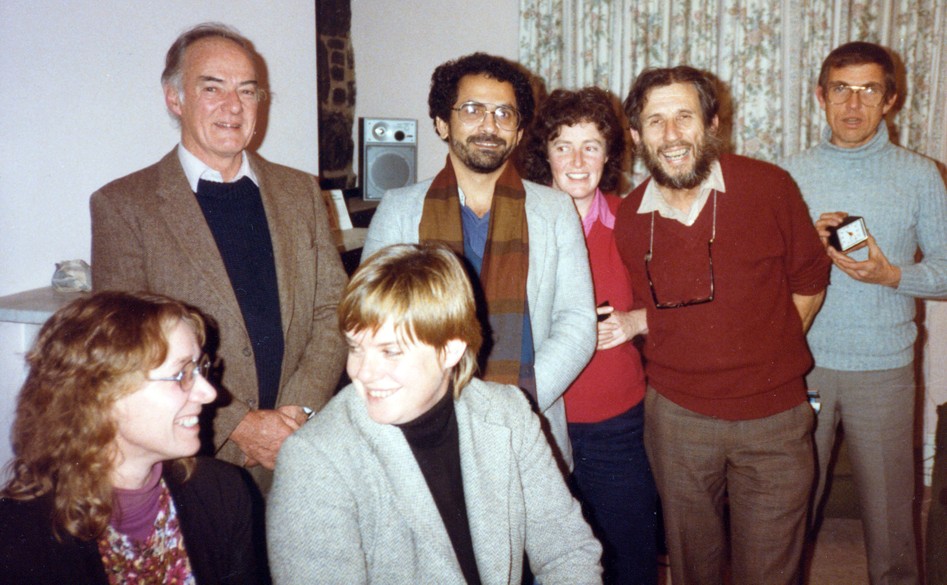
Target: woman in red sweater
[[576, 145]]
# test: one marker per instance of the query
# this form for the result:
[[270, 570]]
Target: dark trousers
[[612, 479], [937, 517]]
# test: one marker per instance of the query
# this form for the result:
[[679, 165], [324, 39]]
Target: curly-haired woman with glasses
[[105, 488]]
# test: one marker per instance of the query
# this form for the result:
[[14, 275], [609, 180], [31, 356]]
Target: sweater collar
[[877, 142]]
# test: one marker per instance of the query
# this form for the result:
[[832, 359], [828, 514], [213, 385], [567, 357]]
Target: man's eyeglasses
[[185, 377], [472, 113], [870, 95], [710, 259]]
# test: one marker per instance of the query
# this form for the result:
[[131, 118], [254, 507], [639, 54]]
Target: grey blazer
[[149, 234], [558, 287], [350, 505]]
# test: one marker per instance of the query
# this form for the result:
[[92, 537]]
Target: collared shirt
[[598, 211], [653, 199], [195, 169]]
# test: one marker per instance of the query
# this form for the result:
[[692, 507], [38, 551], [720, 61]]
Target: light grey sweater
[[350, 505], [901, 195]]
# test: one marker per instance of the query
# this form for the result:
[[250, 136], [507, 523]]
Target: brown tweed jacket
[[149, 234]]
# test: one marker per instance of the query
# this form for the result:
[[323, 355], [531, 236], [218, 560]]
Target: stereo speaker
[[389, 149]]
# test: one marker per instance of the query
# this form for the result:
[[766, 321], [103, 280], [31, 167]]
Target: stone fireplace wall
[[336, 89]]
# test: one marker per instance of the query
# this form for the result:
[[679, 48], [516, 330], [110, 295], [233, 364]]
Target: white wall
[[82, 105], [397, 46]]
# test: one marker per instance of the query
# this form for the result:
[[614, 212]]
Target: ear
[[172, 99], [889, 103], [442, 127], [635, 136], [820, 95], [452, 352], [715, 124]]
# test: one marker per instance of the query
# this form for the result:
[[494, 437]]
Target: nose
[[577, 158], [202, 391], [232, 101], [489, 122], [670, 131], [361, 367], [854, 101]]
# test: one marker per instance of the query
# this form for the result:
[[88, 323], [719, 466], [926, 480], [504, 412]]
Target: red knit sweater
[[743, 355], [613, 381]]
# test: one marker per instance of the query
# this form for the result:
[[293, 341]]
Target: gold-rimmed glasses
[[472, 113], [870, 94]]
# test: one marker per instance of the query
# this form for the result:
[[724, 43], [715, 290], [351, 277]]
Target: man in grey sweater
[[863, 339]]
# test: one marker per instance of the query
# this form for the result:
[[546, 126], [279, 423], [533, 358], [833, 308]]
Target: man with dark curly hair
[[522, 240]]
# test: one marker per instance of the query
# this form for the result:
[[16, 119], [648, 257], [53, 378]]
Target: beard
[[704, 152], [481, 161]]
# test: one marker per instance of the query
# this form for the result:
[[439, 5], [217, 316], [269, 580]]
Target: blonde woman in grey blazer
[[558, 287], [357, 496]]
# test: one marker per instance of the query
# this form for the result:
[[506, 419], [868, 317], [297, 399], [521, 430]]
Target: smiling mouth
[[577, 176], [226, 126], [674, 155], [487, 142], [188, 421], [380, 394]]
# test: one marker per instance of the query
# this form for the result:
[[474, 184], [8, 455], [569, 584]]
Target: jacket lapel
[[485, 465], [285, 241], [413, 500], [538, 241], [184, 221]]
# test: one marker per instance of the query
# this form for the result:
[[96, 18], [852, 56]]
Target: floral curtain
[[767, 52]]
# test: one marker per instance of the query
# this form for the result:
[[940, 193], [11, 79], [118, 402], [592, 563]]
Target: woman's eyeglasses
[[185, 377]]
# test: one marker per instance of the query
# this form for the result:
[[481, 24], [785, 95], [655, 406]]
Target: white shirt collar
[[654, 200], [195, 169]]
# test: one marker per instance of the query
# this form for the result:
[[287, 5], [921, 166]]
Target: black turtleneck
[[234, 212], [435, 443]]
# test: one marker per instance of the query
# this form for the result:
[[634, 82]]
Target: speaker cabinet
[[389, 149]]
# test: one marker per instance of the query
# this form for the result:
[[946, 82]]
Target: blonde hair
[[89, 354], [424, 290]]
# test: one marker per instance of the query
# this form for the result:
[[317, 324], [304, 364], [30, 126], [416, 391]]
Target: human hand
[[621, 326], [297, 413], [875, 270], [827, 220], [261, 433]]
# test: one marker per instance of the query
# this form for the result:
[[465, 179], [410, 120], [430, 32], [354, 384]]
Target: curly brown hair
[[89, 354], [446, 81], [568, 108]]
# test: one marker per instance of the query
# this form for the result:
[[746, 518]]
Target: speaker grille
[[389, 171], [389, 155]]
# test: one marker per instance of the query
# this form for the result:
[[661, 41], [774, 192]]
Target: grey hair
[[174, 61]]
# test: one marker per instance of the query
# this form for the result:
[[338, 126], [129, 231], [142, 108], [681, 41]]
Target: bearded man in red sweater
[[730, 270]]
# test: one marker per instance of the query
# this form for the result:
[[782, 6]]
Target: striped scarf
[[504, 270]]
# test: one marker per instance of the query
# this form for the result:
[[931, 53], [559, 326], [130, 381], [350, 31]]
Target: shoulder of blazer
[[546, 200], [495, 403], [141, 186]]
